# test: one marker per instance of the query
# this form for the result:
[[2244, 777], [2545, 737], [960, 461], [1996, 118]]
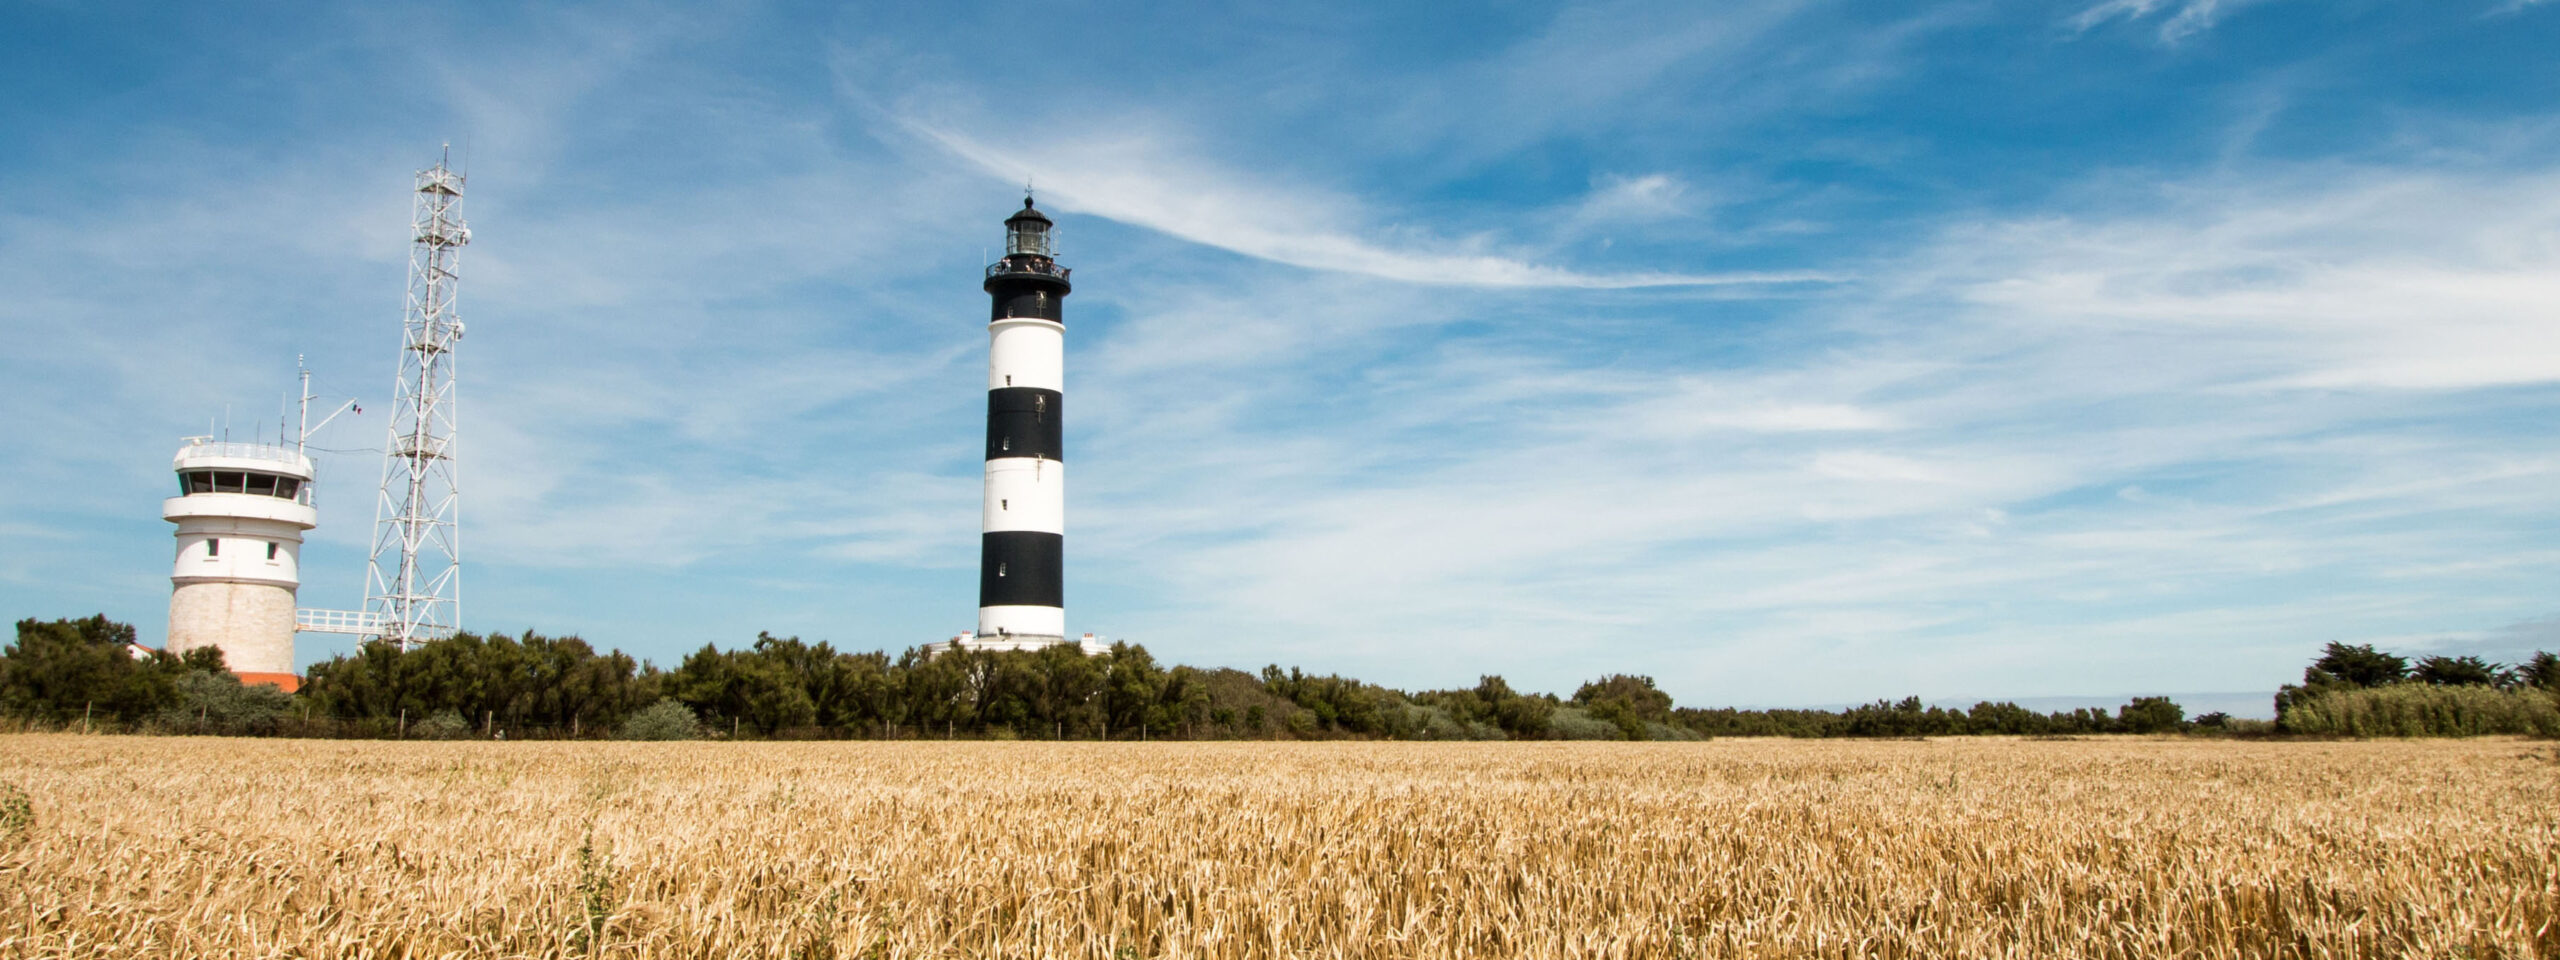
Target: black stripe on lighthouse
[[1025, 422], [1018, 299], [1022, 568]]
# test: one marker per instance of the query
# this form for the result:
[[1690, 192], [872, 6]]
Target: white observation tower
[[241, 509]]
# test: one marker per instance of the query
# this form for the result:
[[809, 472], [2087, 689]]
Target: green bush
[[2425, 710], [1301, 723], [2151, 715], [217, 702], [1664, 731], [1411, 721], [1575, 723], [664, 720], [442, 725], [68, 671]]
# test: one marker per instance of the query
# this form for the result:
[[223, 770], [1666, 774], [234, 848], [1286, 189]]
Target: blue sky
[[1789, 352]]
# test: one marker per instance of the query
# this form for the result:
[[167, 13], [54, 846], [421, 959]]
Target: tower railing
[[279, 453], [1036, 267], [362, 623]]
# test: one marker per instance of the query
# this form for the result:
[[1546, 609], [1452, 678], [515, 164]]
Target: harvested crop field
[[2100, 848]]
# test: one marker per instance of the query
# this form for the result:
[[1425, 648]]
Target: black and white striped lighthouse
[[1021, 589]]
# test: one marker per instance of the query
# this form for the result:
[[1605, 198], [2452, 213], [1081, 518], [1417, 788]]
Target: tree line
[[2364, 692], [88, 672]]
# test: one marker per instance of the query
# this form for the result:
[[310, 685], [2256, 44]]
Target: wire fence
[[299, 725]]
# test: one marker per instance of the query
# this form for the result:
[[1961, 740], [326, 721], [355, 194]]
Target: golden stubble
[[201, 847]]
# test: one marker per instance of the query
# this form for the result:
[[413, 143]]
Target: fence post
[[404, 723]]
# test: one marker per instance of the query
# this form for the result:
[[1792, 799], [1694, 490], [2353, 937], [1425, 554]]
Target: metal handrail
[[358, 622], [243, 451], [1044, 268]]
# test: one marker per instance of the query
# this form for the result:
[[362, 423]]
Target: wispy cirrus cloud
[[2183, 18], [1141, 181], [2198, 427]]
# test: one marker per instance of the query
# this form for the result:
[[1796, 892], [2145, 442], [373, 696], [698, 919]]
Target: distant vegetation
[[2359, 691], [82, 673]]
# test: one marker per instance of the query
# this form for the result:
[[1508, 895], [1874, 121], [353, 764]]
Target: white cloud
[[2282, 365], [1139, 181], [1615, 200], [2338, 280], [2186, 18]]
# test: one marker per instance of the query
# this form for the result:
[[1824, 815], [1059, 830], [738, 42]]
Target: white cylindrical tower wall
[[252, 623], [241, 511], [1026, 494], [1027, 353]]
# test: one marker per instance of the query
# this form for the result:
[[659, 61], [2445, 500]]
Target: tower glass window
[[1028, 237], [1027, 232], [259, 484]]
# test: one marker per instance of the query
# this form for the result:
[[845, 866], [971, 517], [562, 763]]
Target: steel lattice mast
[[414, 583]]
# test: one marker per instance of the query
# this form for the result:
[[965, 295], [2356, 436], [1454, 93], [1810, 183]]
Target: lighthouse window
[[229, 482], [213, 548], [196, 481], [999, 569], [271, 551], [1007, 445], [287, 487], [262, 484], [1004, 504]]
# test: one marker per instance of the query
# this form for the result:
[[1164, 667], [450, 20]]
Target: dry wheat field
[[198, 847]]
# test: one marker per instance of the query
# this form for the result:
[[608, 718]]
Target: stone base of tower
[[1015, 642], [251, 622]]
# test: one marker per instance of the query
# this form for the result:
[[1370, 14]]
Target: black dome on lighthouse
[[1026, 213]]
